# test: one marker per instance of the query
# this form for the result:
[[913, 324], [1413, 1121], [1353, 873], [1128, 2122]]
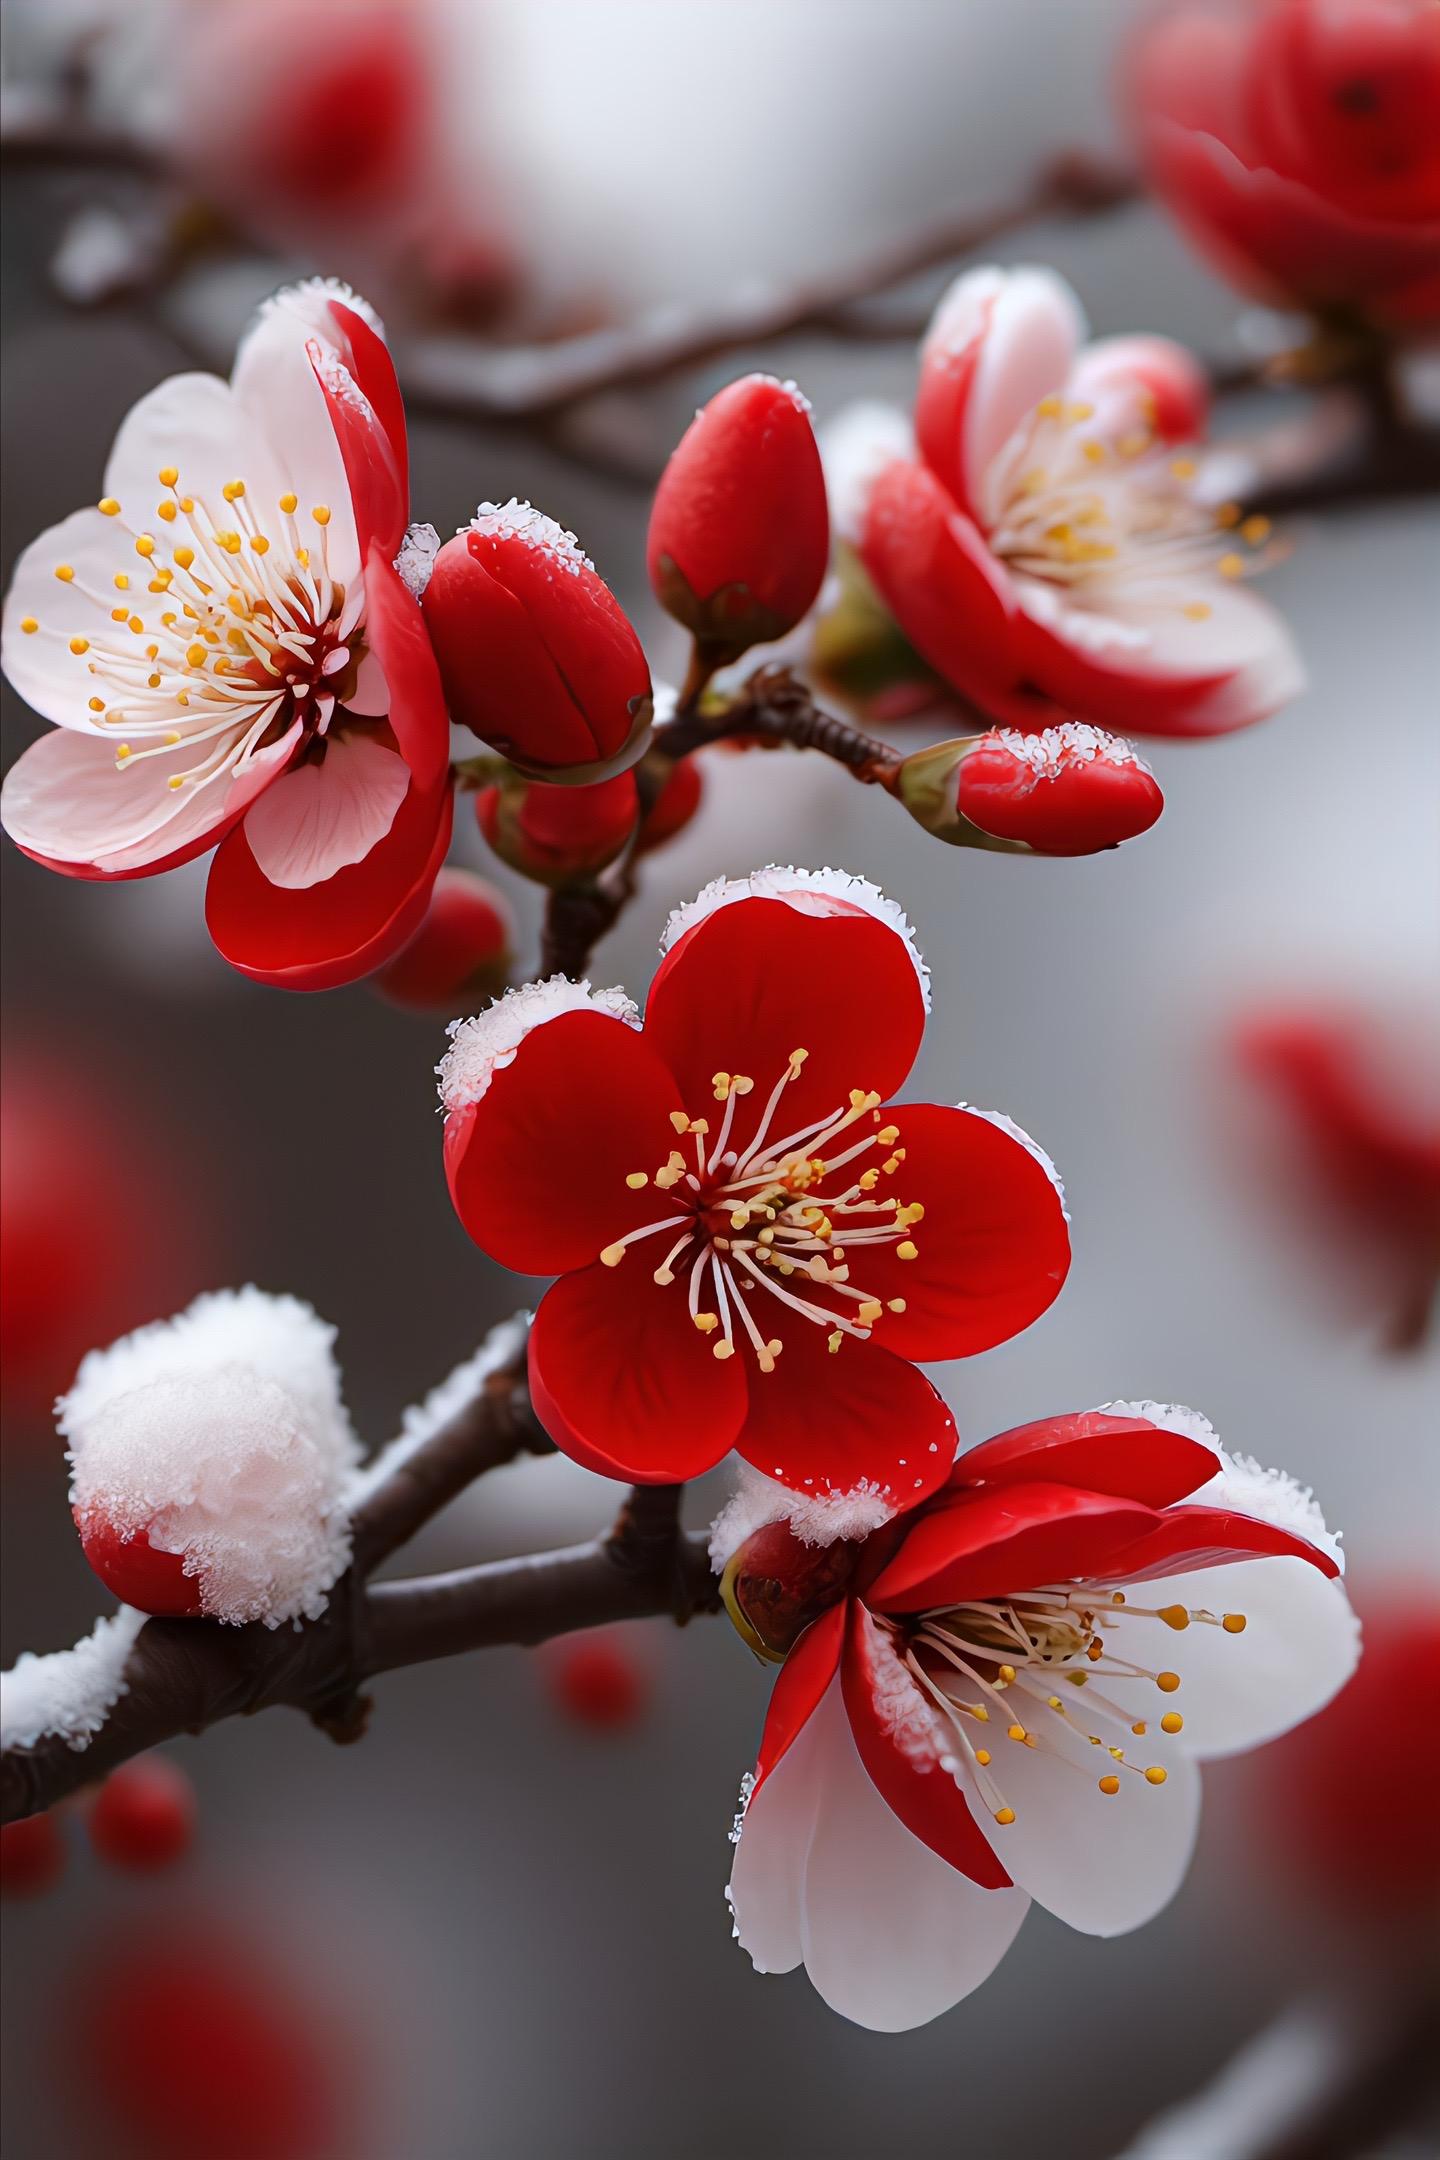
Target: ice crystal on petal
[[1073, 742], [778, 881], [416, 559], [310, 299], [221, 1434], [901, 1708], [446, 1400], [1272, 1496], [747, 1787], [814, 1518], [516, 520], [1171, 1417], [486, 1044], [855, 448], [68, 1694], [1031, 1147]]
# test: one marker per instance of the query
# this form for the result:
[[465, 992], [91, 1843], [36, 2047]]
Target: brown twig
[[183, 1676]]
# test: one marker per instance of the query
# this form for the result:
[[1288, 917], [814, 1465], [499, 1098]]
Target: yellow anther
[[1095, 1652], [868, 1180], [699, 1125], [1155, 1775], [79, 644], [108, 506], [137, 624], [171, 739], [890, 1165], [907, 1250], [797, 1058], [177, 782], [1117, 1597], [978, 1710], [1174, 1616], [259, 544], [723, 1350], [1007, 1673], [184, 556], [742, 1084], [664, 1276], [122, 581], [168, 475], [230, 541], [187, 504], [1255, 529], [679, 1120], [739, 1219], [1167, 1682], [302, 556], [982, 1756], [122, 752], [1079, 413], [1077, 1679], [1184, 468], [145, 545], [834, 1340], [613, 1255], [29, 625], [166, 510], [1197, 611], [1005, 1815], [721, 1083], [119, 614], [321, 514], [1172, 1722], [1093, 452], [1015, 1732], [153, 681], [1234, 1623], [707, 1322], [1139, 1729], [233, 490], [196, 655], [97, 704], [162, 581], [637, 1179], [1054, 1701], [767, 1235], [1109, 1784], [895, 1304], [870, 1311], [1232, 566], [774, 1346], [1117, 1752], [65, 572], [1049, 408]]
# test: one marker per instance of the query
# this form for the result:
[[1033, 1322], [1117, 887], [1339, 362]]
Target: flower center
[[241, 632], [1089, 512], [990, 1666], [786, 1218]]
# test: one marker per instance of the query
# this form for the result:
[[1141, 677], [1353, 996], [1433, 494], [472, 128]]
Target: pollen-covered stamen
[[239, 631]]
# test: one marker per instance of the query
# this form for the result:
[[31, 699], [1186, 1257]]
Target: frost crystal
[[1271, 1496], [1031, 1147], [516, 520], [485, 1045], [785, 882], [416, 559], [855, 448], [221, 1434], [69, 1693], [814, 1518], [311, 299], [1170, 1417], [422, 1421], [747, 1787], [1055, 749]]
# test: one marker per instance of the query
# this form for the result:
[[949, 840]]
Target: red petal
[[1201, 1537], [537, 1167], [762, 977], [623, 1382], [1128, 1457], [903, 1751], [376, 491], [992, 1249], [1068, 791], [940, 581], [374, 370], [828, 1423], [803, 1679], [398, 637], [996, 1542]]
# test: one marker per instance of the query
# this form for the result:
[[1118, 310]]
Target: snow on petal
[[785, 882], [68, 1694], [486, 1044], [1271, 1496], [820, 1518]]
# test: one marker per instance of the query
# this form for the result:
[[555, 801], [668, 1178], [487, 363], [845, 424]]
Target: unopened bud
[[1068, 790], [774, 1586], [558, 835], [461, 955]]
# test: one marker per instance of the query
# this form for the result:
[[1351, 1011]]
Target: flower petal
[[1300, 1643], [799, 1687], [326, 813], [1101, 1862], [934, 570], [1000, 340], [275, 382], [992, 1543], [859, 1419], [760, 977], [992, 1249], [1192, 1537], [537, 1167], [824, 1872], [67, 804], [909, 1756], [1145, 665], [1128, 1457], [624, 1383], [54, 680]]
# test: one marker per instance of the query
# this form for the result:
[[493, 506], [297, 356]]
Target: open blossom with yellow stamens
[[755, 1244], [229, 657], [1051, 540], [1004, 1695]]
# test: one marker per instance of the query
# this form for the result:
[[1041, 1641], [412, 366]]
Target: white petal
[[54, 681], [889, 1934], [1029, 324], [327, 812], [196, 424], [66, 799], [276, 384], [1300, 1645], [1099, 1862]]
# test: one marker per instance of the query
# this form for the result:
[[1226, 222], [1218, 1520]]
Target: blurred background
[[497, 1926]]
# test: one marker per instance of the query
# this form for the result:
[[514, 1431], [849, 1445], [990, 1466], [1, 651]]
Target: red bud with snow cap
[[740, 531], [1068, 790], [537, 656]]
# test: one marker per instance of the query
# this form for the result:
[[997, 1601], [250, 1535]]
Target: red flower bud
[[558, 834], [461, 953], [536, 654], [144, 1815], [774, 1586], [740, 531], [32, 1856], [1069, 790], [153, 1582], [674, 806], [598, 1681]]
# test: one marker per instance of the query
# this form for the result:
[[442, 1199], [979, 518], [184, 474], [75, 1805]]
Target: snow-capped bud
[[144, 1815], [1069, 790], [462, 953], [557, 835], [598, 1680], [773, 1586], [674, 806], [210, 1456], [740, 532], [537, 656], [32, 1856]]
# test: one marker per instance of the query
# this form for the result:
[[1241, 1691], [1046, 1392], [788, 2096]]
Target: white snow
[[1055, 749], [422, 1421], [310, 300], [68, 1693], [1170, 1417], [484, 1045], [222, 1435], [1031, 1147], [416, 560], [814, 1518], [779, 881], [516, 520], [1272, 1496]]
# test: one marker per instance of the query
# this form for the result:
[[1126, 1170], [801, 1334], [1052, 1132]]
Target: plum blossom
[[1047, 548], [753, 1249], [1008, 1695], [231, 662]]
